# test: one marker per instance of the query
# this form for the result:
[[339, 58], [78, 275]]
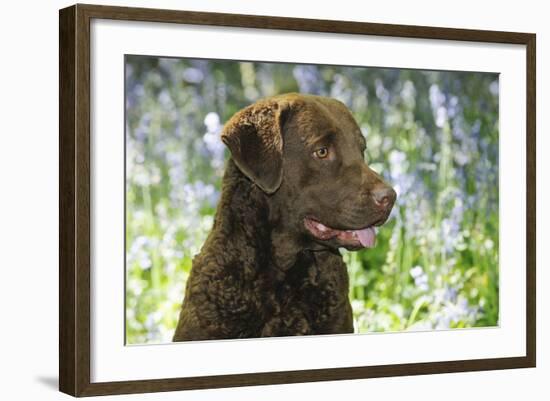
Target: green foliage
[[432, 134]]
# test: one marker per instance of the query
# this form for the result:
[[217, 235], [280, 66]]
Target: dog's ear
[[255, 138]]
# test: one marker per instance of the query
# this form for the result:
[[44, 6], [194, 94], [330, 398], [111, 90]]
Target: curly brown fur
[[261, 272]]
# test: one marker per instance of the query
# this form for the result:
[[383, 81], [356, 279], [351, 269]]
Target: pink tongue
[[367, 237]]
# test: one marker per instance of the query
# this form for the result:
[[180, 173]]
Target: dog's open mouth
[[362, 238]]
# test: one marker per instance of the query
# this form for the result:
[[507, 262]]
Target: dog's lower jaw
[[285, 249]]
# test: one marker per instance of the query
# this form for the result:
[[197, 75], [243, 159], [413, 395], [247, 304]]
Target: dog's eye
[[321, 153]]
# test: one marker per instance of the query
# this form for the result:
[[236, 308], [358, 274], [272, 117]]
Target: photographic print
[[277, 199], [298, 200]]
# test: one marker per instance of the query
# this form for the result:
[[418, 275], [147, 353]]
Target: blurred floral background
[[432, 134]]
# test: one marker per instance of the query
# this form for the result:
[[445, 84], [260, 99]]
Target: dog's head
[[307, 153]]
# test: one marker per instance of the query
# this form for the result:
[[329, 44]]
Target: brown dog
[[296, 188]]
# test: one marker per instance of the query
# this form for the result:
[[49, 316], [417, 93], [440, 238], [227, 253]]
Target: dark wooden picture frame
[[74, 199]]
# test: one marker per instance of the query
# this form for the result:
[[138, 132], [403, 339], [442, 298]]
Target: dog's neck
[[252, 223]]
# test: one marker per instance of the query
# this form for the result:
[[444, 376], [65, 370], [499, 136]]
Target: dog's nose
[[383, 196]]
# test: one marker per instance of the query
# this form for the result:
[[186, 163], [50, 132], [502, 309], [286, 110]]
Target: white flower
[[416, 271], [212, 122]]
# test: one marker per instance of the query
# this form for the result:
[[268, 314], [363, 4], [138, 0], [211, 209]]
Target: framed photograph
[[251, 200]]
